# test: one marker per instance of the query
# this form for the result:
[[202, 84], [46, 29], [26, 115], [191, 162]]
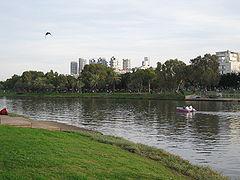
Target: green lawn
[[40, 154]]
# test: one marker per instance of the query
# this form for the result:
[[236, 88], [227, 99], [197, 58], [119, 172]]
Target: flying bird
[[48, 33]]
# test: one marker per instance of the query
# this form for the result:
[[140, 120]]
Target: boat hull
[[181, 109]]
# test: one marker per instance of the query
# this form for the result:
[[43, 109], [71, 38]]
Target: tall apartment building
[[114, 63], [229, 62], [82, 63], [102, 61], [92, 61], [145, 63], [126, 65], [74, 68]]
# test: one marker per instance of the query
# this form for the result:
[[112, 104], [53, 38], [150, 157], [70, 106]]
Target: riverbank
[[204, 98], [162, 96], [41, 154], [21, 121], [159, 96]]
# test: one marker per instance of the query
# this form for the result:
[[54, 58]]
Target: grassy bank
[[40, 154], [103, 95]]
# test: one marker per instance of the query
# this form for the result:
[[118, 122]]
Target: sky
[[134, 29]]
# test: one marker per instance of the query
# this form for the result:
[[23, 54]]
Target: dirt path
[[49, 125]]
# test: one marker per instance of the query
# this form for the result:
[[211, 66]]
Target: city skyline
[[158, 29]]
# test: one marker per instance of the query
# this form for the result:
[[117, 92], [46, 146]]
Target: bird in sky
[[47, 33]]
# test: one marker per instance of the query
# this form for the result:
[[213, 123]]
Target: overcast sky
[[158, 29]]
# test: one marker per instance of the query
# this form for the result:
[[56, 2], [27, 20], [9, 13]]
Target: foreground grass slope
[[40, 154]]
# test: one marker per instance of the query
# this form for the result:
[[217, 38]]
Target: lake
[[209, 137]]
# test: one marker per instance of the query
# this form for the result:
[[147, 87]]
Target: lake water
[[209, 137]]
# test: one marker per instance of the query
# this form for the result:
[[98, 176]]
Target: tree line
[[173, 75]]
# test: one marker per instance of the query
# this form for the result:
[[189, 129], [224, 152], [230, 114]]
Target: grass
[[15, 115], [41, 154], [171, 161], [104, 95]]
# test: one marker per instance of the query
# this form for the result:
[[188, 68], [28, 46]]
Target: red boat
[[182, 109], [4, 112]]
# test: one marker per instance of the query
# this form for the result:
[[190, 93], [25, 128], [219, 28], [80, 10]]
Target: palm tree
[[113, 79], [94, 81]]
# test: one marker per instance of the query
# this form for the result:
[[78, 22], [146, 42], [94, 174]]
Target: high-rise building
[[74, 68], [102, 61], [229, 62], [82, 63], [114, 63], [145, 63], [126, 65], [92, 61]]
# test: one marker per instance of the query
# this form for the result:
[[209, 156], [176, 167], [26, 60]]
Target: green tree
[[204, 71], [149, 76], [136, 80], [94, 81], [229, 80], [2, 85], [170, 74], [10, 83], [95, 76], [113, 79]]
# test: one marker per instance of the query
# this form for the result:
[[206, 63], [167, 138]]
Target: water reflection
[[207, 137]]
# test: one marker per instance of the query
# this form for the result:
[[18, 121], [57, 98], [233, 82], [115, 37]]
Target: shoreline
[[21, 121], [134, 96], [193, 98]]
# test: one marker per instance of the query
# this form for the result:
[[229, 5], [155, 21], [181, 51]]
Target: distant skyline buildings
[[92, 61], [102, 61], [145, 63], [73, 68], [114, 63], [82, 63], [229, 62], [126, 64], [119, 66]]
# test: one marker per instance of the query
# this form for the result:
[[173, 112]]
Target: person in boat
[[187, 108], [191, 108]]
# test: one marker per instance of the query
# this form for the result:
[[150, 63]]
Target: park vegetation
[[40, 154], [172, 76]]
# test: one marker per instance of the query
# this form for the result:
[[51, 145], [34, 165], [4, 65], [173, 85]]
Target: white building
[[92, 61], [114, 63], [82, 63], [126, 65], [74, 68], [229, 62], [145, 63], [102, 61]]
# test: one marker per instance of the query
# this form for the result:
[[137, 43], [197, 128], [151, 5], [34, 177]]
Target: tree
[[171, 74], [229, 80], [204, 71], [1, 85], [125, 81], [10, 83], [149, 76], [95, 76], [136, 80], [113, 79], [94, 81]]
